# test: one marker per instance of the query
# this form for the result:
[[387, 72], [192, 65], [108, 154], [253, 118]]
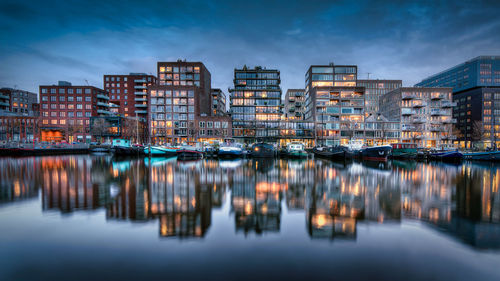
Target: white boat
[[230, 150]]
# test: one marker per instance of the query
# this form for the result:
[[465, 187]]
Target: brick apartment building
[[65, 111]]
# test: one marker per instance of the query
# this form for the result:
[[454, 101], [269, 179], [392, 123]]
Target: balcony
[[140, 99], [408, 128], [104, 97], [408, 96], [140, 81], [4, 103], [437, 96], [292, 109], [448, 104], [291, 99], [141, 105], [298, 104], [2, 96], [102, 111], [437, 112], [419, 120], [299, 94], [141, 111], [419, 104], [450, 121], [449, 137], [407, 111], [102, 104], [139, 87], [435, 129], [140, 93]]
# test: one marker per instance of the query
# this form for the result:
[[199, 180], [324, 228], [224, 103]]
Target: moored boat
[[483, 156], [296, 150], [263, 150], [341, 153], [404, 151], [230, 151], [446, 156], [189, 153], [322, 152], [123, 147], [376, 153], [161, 151]]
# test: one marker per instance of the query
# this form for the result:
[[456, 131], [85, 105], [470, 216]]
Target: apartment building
[[294, 106], [66, 111], [425, 115], [256, 104]]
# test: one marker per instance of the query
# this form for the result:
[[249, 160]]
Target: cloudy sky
[[42, 42]]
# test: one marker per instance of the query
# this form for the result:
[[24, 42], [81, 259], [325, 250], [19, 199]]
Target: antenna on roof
[[86, 81], [369, 75]]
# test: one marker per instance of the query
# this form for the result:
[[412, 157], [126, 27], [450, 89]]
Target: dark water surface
[[97, 218]]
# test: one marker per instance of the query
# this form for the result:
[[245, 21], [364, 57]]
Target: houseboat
[[263, 150], [296, 150], [404, 151], [376, 153]]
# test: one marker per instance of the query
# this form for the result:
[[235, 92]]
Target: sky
[[42, 42]]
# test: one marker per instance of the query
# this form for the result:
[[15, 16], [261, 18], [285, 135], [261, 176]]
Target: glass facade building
[[295, 104], [475, 85], [256, 104], [375, 89], [482, 71]]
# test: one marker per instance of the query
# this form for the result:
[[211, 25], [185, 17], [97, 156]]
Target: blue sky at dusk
[[42, 42]]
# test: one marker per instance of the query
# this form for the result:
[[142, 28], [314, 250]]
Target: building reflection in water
[[14, 187], [461, 201], [256, 196]]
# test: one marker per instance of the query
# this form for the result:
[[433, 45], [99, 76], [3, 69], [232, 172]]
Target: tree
[[479, 134], [99, 127]]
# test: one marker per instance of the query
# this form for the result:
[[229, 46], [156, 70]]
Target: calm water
[[92, 217]]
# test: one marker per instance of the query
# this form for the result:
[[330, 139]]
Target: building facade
[[218, 103], [20, 102], [374, 89], [128, 93], [475, 84], [482, 71], [478, 117], [66, 111], [181, 105], [295, 104], [256, 104], [425, 115], [189, 74]]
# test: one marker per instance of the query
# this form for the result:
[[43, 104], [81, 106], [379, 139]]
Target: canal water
[[100, 218]]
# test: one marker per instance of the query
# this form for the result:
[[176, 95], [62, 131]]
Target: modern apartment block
[[128, 93], [190, 74], [4, 102], [425, 115], [218, 103], [475, 84], [66, 111], [374, 89], [181, 106], [19, 102], [295, 104], [478, 115], [256, 104], [482, 71], [335, 103]]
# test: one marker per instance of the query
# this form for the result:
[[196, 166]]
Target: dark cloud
[[82, 40]]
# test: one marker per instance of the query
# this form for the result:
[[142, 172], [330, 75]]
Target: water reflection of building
[[130, 178], [68, 183], [17, 179], [462, 201], [256, 196], [334, 203]]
